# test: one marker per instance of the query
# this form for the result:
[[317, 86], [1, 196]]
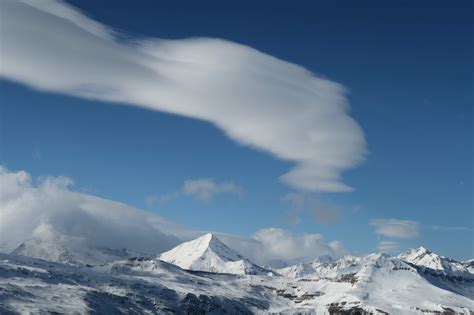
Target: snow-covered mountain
[[208, 253], [46, 250], [422, 257], [69, 250], [374, 284], [318, 266], [214, 279]]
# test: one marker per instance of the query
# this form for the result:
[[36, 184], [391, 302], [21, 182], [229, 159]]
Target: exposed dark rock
[[338, 309], [204, 304]]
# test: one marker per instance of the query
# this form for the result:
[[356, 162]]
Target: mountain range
[[206, 276]]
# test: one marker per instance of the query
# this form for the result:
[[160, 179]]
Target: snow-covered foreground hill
[[410, 283]]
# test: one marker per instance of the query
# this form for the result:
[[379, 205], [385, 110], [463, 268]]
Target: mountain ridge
[[215, 278], [69, 250]]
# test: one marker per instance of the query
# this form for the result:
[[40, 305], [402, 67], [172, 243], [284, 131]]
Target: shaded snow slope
[[469, 264]]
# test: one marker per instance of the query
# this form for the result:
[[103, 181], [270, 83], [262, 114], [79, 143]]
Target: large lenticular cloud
[[256, 99]]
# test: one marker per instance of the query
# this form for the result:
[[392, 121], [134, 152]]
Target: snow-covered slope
[[135, 286], [375, 284], [378, 281], [208, 253], [69, 250], [206, 276]]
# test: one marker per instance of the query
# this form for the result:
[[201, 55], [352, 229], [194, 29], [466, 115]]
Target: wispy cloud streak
[[204, 189], [401, 229]]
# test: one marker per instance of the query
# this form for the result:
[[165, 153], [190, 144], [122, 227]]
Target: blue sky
[[408, 70]]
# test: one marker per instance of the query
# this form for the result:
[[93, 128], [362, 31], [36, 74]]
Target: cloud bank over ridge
[[256, 99], [48, 207]]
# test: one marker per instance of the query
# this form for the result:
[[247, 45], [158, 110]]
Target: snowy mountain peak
[[208, 253], [418, 254], [209, 238], [425, 258], [187, 253], [210, 242], [421, 251], [70, 250], [323, 259], [50, 250]]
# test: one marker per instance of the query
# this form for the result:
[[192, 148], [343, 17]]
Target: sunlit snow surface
[[208, 253], [406, 284]]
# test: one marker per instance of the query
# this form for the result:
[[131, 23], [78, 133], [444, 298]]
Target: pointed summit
[[418, 254], [422, 250], [211, 241], [208, 236], [208, 253], [423, 257]]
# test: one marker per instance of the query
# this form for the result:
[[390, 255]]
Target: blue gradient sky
[[408, 68]]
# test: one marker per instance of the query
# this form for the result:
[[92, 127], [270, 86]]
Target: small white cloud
[[44, 231], [206, 189], [402, 229], [323, 212], [37, 154], [169, 196], [296, 200], [203, 189], [450, 228], [388, 247], [152, 200], [281, 244], [356, 209]]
